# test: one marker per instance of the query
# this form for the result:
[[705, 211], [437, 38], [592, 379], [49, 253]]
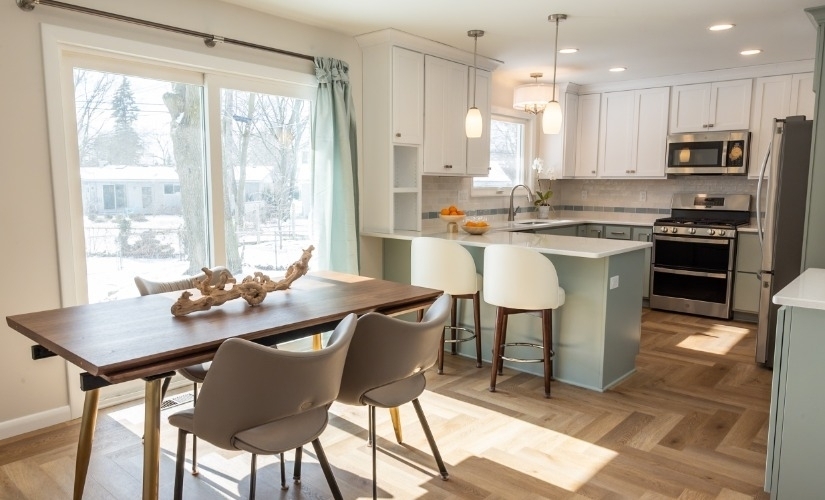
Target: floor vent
[[177, 400]]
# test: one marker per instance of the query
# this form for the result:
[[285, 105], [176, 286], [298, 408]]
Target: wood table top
[[139, 337]]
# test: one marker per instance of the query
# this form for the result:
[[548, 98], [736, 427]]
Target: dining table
[[139, 338]]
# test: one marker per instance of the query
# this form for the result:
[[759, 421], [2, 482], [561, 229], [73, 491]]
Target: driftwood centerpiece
[[252, 289]]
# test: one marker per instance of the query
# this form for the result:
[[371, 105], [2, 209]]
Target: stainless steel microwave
[[708, 153]]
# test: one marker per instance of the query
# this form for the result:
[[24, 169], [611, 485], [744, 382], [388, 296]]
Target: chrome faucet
[[511, 214]]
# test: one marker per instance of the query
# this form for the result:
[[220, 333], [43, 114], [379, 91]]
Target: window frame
[[529, 122]]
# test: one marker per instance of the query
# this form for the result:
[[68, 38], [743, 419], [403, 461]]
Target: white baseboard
[[35, 421]]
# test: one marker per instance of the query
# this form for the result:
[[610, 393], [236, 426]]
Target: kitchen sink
[[532, 222]]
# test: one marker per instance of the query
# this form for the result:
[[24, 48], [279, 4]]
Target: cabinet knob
[[398, 134], [710, 125], [448, 166], [592, 171], [704, 126]]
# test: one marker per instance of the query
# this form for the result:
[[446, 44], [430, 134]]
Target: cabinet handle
[[398, 134], [710, 125], [592, 171], [617, 232], [705, 126], [448, 166]]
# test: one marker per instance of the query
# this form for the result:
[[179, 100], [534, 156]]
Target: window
[[509, 151], [114, 197], [171, 188]]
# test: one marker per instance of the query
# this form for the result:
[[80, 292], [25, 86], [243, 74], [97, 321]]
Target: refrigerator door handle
[[759, 229]]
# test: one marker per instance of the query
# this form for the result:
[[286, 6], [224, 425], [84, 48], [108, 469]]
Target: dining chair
[[446, 265], [385, 368], [521, 280], [194, 373], [246, 405]]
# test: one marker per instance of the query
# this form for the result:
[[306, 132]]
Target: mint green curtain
[[335, 178]]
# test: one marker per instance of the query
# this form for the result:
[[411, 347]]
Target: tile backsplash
[[651, 196]]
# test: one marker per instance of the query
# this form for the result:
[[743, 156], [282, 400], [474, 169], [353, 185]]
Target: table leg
[[396, 423], [151, 440], [316, 342], [84, 441]]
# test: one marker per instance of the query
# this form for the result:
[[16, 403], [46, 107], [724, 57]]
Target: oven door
[[692, 275]]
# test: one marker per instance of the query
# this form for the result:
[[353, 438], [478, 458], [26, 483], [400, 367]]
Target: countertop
[[807, 290], [502, 233]]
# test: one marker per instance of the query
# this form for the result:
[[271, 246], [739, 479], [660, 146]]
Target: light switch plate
[[614, 282]]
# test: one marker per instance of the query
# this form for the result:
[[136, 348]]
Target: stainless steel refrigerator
[[782, 195]]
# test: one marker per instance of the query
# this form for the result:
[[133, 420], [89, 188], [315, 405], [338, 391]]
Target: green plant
[[543, 198]]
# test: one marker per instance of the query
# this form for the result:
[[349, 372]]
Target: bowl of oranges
[[451, 214], [475, 226]]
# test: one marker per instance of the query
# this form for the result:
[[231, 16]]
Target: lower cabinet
[[560, 231], [746, 282], [644, 234], [591, 231]]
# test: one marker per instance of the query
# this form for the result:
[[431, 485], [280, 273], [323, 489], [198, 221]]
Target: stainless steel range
[[694, 251]]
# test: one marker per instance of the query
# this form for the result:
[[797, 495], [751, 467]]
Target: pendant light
[[473, 124], [532, 97], [551, 121]]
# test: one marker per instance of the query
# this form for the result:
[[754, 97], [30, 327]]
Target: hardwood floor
[[692, 423]]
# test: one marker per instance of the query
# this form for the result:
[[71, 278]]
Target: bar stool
[[521, 280], [446, 265]]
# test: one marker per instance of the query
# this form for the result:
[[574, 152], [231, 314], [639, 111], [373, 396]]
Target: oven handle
[[692, 239], [701, 274]]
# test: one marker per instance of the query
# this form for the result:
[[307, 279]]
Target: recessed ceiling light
[[750, 52], [568, 51], [721, 27], [617, 69]]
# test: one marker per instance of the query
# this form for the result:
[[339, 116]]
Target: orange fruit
[[453, 208], [445, 211], [459, 212]]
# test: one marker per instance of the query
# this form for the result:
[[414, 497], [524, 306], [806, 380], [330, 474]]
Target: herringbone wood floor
[[691, 423]]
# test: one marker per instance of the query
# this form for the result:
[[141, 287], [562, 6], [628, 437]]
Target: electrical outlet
[[642, 195], [614, 282], [584, 194], [463, 195]]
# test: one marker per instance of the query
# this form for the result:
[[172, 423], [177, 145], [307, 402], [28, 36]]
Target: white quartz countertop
[[593, 248], [807, 290]]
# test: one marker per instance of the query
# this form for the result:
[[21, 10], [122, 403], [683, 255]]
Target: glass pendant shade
[[473, 124], [551, 121]]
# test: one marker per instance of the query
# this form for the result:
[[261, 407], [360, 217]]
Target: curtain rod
[[208, 39]]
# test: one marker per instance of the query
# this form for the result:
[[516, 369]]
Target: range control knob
[[663, 229], [674, 230], [721, 232], [711, 232], [692, 230]]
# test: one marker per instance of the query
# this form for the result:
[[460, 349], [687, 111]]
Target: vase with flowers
[[543, 194]]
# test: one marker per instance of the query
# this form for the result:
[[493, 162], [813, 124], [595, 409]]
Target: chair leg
[[322, 460], [441, 468], [296, 471], [503, 341], [453, 325], [496, 347], [374, 454], [547, 339], [441, 353], [252, 475], [477, 325], [195, 471], [284, 487], [179, 459], [164, 388]]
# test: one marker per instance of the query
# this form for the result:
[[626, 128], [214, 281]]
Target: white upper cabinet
[[559, 150], [803, 98], [771, 99], [711, 106], [478, 148], [445, 107], [587, 136], [407, 96], [633, 131]]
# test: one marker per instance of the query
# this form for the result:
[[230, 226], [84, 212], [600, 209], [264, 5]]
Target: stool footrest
[[472, 335], [550, 353]]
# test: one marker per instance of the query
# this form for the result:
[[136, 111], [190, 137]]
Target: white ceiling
[[651, 38]]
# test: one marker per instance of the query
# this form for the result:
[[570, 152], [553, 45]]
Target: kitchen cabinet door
[[407, 96], [595, 231], [711, 106], [633, 134], [644, 234], [771, 99], [478, 148], [445, 100], [559, 150], [616, 134], [803, 98], [587, 135]]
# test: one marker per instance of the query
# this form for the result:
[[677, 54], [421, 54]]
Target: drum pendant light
[[473, 124], [551, 121]]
